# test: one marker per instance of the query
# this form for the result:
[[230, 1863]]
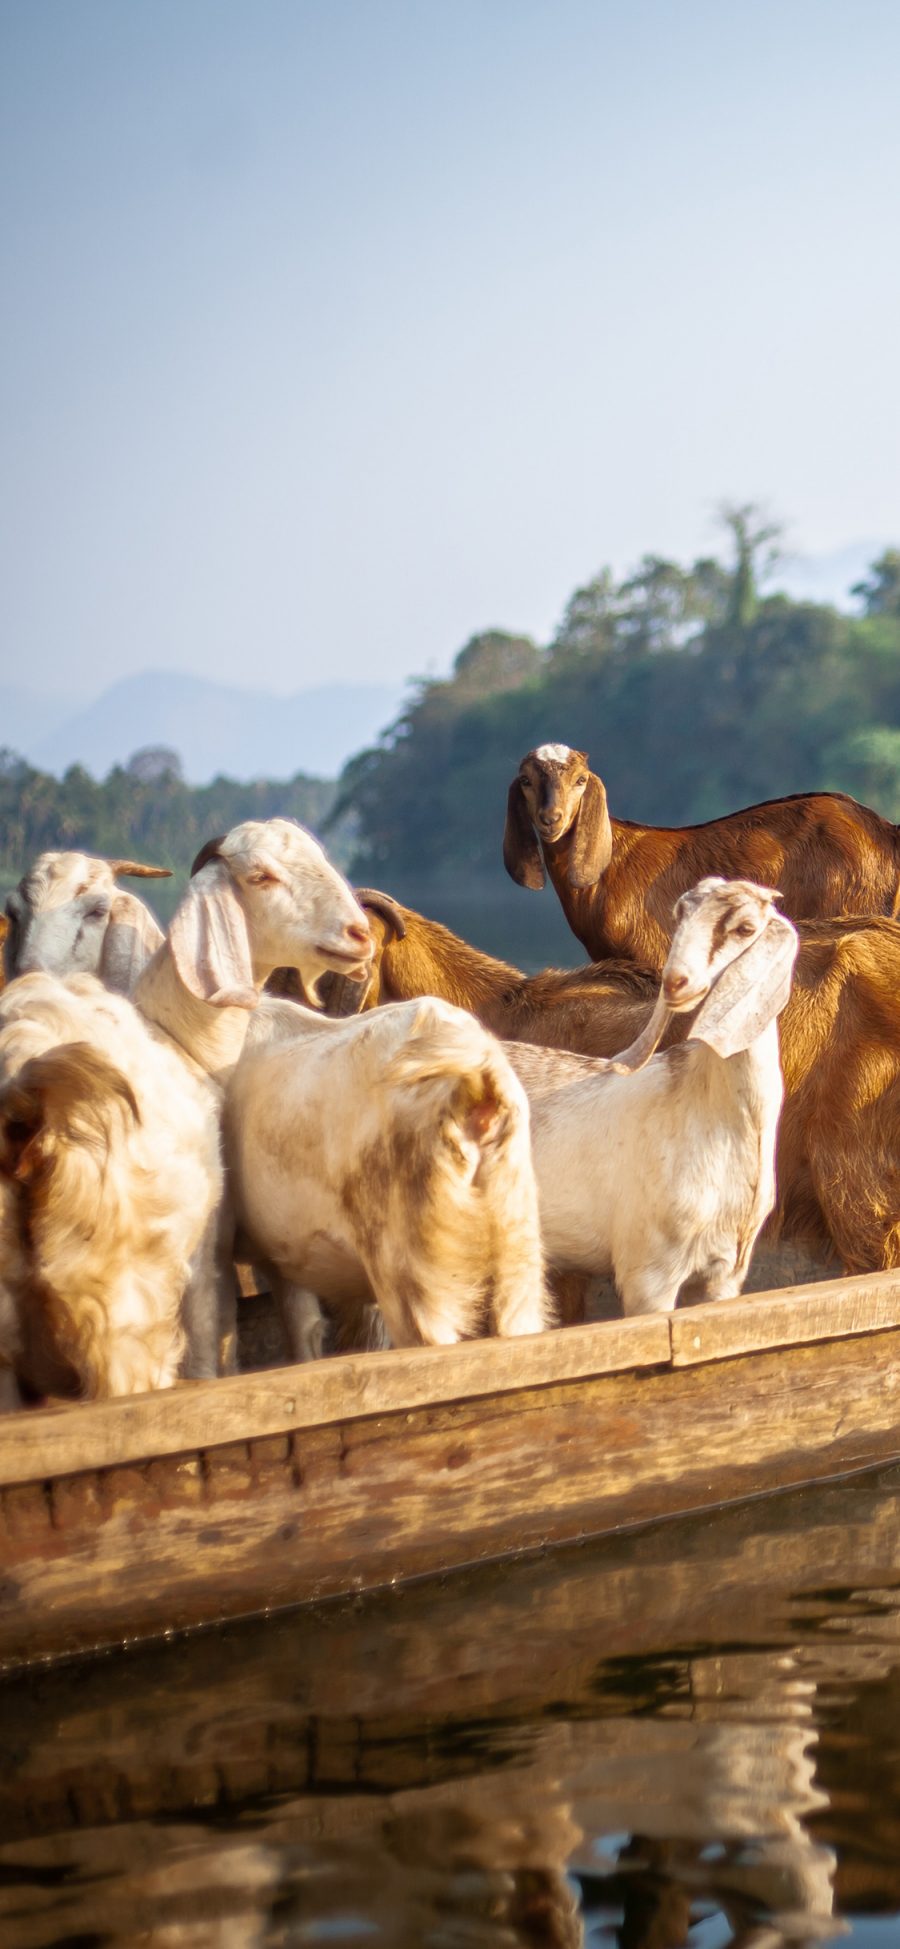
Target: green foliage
[[880, 595], [158, 820], [692, 693]]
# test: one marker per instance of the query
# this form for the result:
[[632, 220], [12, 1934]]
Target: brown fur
[[618, 881], [838, 1159], [557, 1008], [57, 1099]]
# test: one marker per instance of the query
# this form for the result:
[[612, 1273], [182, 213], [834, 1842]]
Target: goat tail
[[448, 1046], [69, 1092]]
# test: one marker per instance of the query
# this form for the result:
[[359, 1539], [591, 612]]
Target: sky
[[335, 332]]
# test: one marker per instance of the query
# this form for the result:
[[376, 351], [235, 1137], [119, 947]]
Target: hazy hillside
[[217, 729]]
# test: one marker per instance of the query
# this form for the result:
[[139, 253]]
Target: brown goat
[[618, 882], [838, 1154], [561, 1008]]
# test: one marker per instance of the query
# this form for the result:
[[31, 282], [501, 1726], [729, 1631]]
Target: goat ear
[[750, 992], [131, 939], [521, 852], [209, 941], [591, 837], [386, 909]]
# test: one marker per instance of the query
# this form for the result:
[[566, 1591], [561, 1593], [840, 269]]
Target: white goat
[[110, 1180], [384, 1157], [68, 916], [663, 1178], [387, 1158]]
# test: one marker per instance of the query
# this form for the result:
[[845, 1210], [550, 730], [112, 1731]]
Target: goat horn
[[208, 852], [644, 1045], [131, 868], [381, 903]]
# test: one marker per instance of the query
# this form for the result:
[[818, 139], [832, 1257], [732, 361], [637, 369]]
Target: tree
[[495, 662], [880, 595], [588, 627], [751, 535], [154, 761]]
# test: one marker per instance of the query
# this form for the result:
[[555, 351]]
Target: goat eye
[[97, 913], [745, 929], [262, 879]]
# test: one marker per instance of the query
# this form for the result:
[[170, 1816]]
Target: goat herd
[[409, 1138]]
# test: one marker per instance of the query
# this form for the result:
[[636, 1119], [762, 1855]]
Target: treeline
[[691, 690], [692, 693], [142, 811]]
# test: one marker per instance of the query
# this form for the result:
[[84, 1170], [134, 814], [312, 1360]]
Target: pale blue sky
[[334, 332]]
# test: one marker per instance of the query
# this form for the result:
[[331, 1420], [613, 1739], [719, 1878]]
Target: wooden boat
[[148, 1515]]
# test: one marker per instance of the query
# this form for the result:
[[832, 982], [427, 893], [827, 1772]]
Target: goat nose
[[674, 984], [357, 932]]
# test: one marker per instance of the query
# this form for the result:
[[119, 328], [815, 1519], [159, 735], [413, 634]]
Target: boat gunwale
[[200, 1416]]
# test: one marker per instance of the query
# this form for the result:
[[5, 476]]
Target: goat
[[663, 1179], [302, 1136], [110, 1178], [582, 1009], [387, 1158], [838, 1148], [68, 916], [618, 882]]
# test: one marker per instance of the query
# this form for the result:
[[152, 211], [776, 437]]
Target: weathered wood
[[387, 1498], [243, 1407], [833, 1309], [201, 1415], [342, 1687]]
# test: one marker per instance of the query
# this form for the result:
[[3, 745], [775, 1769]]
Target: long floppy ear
[[750, 992], [134, 872], [209, 941], [131, 939], [521, 852], [591, 837], [386, 909]]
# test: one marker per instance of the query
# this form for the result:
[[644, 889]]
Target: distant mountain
[[215, 728], [26, 717]]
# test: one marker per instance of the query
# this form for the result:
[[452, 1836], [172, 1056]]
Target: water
[[685, 1736]]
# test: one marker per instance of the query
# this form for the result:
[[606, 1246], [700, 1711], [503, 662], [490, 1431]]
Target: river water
[[687, 1735]]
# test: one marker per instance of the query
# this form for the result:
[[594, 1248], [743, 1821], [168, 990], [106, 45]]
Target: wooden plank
[[832, 1309], [246, 1407], [377, 1500]]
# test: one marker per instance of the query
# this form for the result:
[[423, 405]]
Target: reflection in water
[[689, 1736]]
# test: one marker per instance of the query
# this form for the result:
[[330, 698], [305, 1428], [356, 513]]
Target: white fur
[[313, 1104], [68, 916], [387, 1158], [554, 754], [664, 1177], [124, 1218]]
